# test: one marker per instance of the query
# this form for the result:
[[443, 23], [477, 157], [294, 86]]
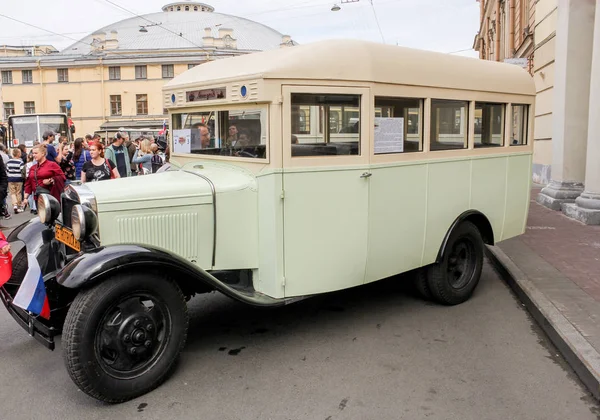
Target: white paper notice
[[389, 135], [182, 141]]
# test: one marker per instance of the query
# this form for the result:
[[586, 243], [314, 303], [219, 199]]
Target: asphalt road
[[373, 352]]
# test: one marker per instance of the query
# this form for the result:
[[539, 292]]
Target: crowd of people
[[54, 163]]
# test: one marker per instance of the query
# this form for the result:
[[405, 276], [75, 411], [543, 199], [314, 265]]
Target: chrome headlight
[[83, 222], [48, 208]]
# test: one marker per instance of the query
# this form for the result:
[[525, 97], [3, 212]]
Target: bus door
[[326, 187]]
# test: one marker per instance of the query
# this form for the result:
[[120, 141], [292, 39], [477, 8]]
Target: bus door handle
[[366, 175]]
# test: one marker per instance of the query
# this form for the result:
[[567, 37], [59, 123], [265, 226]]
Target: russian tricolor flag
[[164, 128], [32, 293]]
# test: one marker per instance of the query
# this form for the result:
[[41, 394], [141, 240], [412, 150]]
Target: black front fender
[[38, 238], [93, 267]]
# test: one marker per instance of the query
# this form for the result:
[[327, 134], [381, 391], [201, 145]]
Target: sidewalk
[[16, 220], [554, 268]]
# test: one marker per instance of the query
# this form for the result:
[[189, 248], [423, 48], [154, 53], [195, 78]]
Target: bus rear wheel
[[453, 280]]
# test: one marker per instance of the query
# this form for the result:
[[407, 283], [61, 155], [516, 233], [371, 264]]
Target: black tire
[[19, 267], [453, 280], [107, 321], [421, 284]]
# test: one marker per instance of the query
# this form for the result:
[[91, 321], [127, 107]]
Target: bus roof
[[362, 61]]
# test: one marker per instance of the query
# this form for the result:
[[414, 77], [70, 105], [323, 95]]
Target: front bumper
[[31, 323]]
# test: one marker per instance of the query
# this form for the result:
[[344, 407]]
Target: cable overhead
[[45, 30], [377, 20], [180, 35]]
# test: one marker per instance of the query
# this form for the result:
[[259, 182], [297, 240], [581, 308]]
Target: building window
[[449, 122], [167, 71], [62, 107], [187, 8], [115, 105], [27, 76], [191, 66], [520, 115], [141, 104], [337, 131], [489, 125], [29, 107], [63, 75], [398, 125], [141, 72], [114, 73], [9, 109], [7, 77]]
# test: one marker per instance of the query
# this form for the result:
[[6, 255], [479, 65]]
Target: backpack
[[157, 162]]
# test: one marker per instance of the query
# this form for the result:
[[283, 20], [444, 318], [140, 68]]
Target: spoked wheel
[[122, 337], [132, 335], [455, 277]]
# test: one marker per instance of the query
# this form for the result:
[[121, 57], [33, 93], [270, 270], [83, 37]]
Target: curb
[[577, 351]]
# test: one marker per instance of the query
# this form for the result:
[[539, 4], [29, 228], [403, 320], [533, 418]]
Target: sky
[[447, 26]]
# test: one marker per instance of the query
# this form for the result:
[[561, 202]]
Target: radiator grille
[[176, 232]]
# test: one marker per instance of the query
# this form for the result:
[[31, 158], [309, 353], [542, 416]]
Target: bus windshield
[[236, 133], [30, 128]]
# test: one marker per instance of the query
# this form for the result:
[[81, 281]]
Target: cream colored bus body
[[308, 225]]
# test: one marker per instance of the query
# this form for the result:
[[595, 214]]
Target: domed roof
[[181, 25]]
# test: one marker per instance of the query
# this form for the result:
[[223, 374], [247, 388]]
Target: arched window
[[178, 8], [195, 8], [187, 8]]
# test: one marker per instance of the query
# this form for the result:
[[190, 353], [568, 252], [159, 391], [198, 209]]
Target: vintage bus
[[29, 128], [304, 170]]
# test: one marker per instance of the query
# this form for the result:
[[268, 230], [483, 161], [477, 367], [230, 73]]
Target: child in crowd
[[14, 170]]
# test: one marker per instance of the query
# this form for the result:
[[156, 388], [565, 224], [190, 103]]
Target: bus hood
[[194, 184]]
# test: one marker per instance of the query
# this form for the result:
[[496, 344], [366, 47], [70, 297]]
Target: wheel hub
[[137, 332]]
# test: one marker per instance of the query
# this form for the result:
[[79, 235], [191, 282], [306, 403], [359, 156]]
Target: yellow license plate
[[65, 235]]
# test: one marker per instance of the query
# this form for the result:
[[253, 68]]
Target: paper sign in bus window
[[182, 141], [389, 135]]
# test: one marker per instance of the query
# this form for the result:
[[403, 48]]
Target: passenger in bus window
[[232, 136]]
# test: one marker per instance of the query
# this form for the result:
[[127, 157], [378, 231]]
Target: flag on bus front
[[32, 296]]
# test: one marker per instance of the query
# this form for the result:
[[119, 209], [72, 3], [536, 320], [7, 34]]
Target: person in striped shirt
[[14, 170]]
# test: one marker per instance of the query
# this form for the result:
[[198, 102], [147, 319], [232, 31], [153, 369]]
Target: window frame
[[5, 108], [143, 69], [366, 124], [467, 123], [167, 67], [526, 123], [263, 107], [65, 75], [27, 80], [502, 125], [114, 73], [118, 103], [422, 104], [138, 102], [7, 77], [62, 107], [31, 107]]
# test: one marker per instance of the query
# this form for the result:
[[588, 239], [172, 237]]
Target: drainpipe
[[481, 31], [511, 24], [43, 95], [102, 90], [497, 31]]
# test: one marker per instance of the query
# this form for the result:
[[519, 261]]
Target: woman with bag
[[80, 156], [45, 177], [143, 158], [98, 168]]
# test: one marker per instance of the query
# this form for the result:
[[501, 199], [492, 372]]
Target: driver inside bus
[[204, 135]]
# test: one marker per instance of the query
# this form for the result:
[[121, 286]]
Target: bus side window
[[325, 124], [520, 114], [398, 125], [449, 124]]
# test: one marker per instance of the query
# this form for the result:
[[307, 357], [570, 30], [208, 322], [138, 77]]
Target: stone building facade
[[114, 76]]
